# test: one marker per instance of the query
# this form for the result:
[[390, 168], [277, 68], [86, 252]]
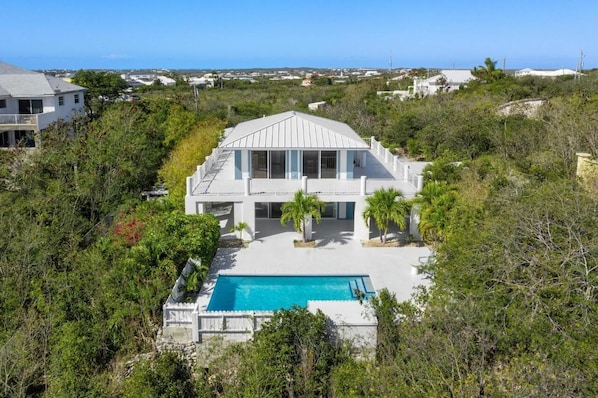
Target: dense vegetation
[[85, 266]]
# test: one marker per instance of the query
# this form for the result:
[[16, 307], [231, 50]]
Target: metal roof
[[18, 82], [293, 130]]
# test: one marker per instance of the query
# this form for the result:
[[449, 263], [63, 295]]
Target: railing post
[[372, 142], [406, 172], [304, 183], [195, 326], [420, 182], [362, 186], [395, 163]]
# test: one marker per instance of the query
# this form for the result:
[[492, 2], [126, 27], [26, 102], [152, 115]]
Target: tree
[[488, 72], [384, 207], [240, 228], [167, 376], [292, 355], [435, 202], [101, 86], [301, 207]]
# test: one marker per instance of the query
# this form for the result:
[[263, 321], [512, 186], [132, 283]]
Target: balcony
[[212, 181], [34, 122]]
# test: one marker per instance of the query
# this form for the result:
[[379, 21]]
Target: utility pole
[[580, 67]]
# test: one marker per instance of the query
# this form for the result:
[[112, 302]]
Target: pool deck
[[336, 253]]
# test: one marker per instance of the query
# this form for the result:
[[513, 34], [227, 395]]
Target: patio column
[[245, 212], [362, 190], [360, 230], [304, 183], [308, 227]]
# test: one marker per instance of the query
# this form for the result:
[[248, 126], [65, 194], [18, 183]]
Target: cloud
[[116, 56]]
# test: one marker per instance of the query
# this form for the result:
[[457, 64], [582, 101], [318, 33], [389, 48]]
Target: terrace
[[381, 168]]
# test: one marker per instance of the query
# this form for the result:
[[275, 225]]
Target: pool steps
[[363, 285]]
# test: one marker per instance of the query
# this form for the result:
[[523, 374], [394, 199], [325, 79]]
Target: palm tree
[[240, 227], [384, 207], [435, 201], [302, 206]]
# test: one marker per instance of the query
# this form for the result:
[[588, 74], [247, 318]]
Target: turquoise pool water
[[269, 293]]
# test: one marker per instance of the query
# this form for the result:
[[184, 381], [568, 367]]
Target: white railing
[[200, 183], [19, 119], [230, 325], [392, 162], [205, 167], [178, 314], [264, 186]]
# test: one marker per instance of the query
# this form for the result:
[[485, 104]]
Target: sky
[[235, 34]]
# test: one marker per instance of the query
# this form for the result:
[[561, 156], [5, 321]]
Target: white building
[[446, 80], [547, 73], [31, 101], [261, 163]]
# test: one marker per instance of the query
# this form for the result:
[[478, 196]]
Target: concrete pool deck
[[336, 253]]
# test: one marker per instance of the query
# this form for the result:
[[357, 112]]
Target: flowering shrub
[[128, 232]]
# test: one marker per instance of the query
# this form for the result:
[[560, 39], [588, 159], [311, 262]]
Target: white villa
[[447, 79], [31, 101], [261, 163]]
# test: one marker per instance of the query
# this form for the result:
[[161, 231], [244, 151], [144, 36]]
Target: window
[[31, 107], [24, 138], [2, 103], [259, 164], [310, 164], [76, 98], [328, 164], [4, 139], [277, 164], [61, 100]]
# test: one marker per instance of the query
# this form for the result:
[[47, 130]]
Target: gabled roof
[[18, 83], [453, 76], [293, 130]]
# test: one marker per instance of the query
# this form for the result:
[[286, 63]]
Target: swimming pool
[[270, 293]]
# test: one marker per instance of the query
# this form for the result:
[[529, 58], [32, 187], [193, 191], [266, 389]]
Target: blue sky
[[194, 34]]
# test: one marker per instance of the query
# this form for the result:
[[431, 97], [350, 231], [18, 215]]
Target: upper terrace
[[213, 179]]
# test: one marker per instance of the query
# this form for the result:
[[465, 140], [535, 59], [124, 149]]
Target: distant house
[[31, 101], [547, 73], [446, 80]]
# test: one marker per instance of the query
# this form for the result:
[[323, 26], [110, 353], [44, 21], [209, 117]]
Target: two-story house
[[31, 101], [261, 163]]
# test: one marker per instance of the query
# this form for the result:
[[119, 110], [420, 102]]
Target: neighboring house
[[547, 73], [261, 163], [31, 101], [447, 80]]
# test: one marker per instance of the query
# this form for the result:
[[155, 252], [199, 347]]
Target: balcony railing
[[398, 175], [19, 119], [37, 121], [274, 187]]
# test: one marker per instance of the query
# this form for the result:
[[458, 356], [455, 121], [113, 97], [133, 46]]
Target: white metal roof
[[293, 130]]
